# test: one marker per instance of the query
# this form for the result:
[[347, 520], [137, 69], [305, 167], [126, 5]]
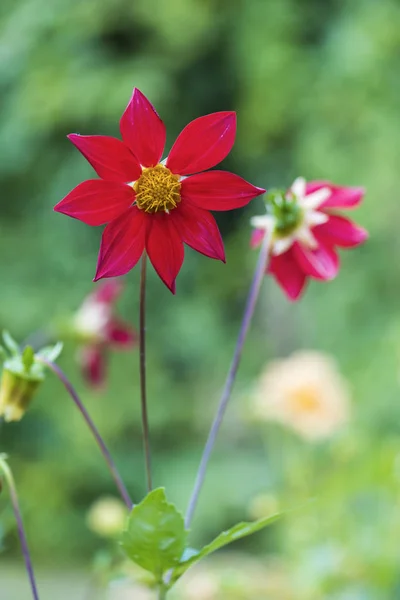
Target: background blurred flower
[[307, 230], [263, 505], [305, 392], [106, 517], [97, 328]]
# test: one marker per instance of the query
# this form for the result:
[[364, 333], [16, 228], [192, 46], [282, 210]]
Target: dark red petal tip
[[96, 202], [203, 143], [110, 158], [143, 130], [218, 190]]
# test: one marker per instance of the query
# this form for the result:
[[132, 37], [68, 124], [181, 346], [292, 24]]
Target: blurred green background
[[316, 86]]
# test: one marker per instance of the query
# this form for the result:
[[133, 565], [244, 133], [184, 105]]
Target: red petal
[[203, 143], [109, 157], [199, 230], [257, 236], [93, 365], [218, 190], [165, 248], [96, 202], [122, 244], [339, 231], [288, 273], [341, 197], [143, 130], [107, 291], [120, 334], [321, 263]]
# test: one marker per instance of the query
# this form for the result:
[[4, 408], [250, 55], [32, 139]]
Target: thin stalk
[[142, 368], [18, 517], [230, 380], [162, 593], [103, 448]]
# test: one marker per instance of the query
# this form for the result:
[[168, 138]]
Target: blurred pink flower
[[99, 330], [306, 232]]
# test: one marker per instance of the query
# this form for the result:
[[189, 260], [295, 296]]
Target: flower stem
[[143, 393], [226, 394], [103, 448], [162, 594], [18, 517]]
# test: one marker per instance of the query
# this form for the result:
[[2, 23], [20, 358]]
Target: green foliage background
[[316, 87]]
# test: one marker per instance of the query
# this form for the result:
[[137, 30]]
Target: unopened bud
[[16, 393], [22, 374]]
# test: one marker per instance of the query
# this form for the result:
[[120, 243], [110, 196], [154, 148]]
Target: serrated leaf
[[233, 534], [28, 358], [51, 353], [11, 344], [155, 537]]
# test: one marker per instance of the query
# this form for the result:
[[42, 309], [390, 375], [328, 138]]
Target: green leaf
[[236, 532], [155, 537], [28, 358], [51, 353], [11, 344]]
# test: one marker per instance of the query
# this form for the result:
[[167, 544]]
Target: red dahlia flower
[[98, 330], [157, 206], [306, 232]]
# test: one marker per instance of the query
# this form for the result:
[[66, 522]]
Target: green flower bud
[[22, 375]]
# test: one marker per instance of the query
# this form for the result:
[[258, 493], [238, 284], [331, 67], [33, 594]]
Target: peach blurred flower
[[305, 392]]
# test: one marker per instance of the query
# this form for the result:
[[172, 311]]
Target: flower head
[[156, 205], [97, 329], [306, 232], [305, 392], [23, 372]]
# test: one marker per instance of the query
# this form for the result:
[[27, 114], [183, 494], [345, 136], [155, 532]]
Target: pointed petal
[[122, 244], [199, 230], [96, 202], [120, 334], [315, 200], [93, 364], [110, 158], [340, 231], [299, 187], [341, 197], [218, 190], [143, 130], [203, 143], [165, 248], [288, 274], [320, 263]]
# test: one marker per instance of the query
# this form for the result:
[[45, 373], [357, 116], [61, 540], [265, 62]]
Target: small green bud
[[16, 393], [23, 372]]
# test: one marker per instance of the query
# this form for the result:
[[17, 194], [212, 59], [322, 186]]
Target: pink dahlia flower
[[156, 205], [307, 229], [98, 330]]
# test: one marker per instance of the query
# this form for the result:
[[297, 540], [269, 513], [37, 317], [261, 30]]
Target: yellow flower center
[[305, 399], [157, 189]]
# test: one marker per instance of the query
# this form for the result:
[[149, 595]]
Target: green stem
[[18, 517], [252, 298], [100, 442], [162, 592], [143, 392]]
